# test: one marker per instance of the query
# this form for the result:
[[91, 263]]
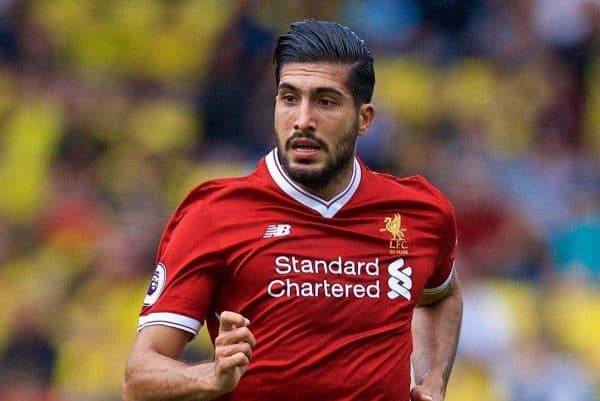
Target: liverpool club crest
[[398, 244]]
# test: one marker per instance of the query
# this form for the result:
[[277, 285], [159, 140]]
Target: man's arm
[[435, 328], [154, 371]]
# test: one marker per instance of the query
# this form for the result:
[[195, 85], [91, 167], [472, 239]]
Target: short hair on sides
[[323, 41]]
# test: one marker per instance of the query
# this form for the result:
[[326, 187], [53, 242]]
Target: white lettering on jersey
[[325, 289], [337, 278], [277, 230], [400, 282]]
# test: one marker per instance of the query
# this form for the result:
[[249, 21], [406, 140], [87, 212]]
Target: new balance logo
[[277, 230], [400, 282]]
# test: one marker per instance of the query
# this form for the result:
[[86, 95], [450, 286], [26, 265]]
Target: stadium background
[[110, 111]]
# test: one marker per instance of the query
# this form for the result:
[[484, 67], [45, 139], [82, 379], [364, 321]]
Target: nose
[[305, 119]]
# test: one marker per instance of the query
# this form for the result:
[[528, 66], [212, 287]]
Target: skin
[[154, 372], [435, 329], [317, 124]]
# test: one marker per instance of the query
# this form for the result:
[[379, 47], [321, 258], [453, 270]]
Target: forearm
[[435, 330], [150, 376]]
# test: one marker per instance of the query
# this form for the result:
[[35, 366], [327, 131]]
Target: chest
[[371, 266]]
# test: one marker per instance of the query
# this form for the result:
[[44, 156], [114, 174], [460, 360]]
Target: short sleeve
[[188, 264], [444, 267]]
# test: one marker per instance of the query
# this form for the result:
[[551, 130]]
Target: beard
[[339, 157]]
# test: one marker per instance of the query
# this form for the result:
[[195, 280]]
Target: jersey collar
[[324, 208]]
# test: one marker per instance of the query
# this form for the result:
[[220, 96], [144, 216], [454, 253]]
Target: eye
[[288, 98], [326, 102]]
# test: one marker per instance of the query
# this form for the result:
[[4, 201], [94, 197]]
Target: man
[[309, 270]]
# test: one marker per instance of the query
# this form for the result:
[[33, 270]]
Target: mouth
[[305, 146]]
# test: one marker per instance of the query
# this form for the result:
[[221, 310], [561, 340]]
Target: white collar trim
[[324, 208]]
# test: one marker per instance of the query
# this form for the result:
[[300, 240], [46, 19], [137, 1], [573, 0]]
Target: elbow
[[127, 385], [125, 392]]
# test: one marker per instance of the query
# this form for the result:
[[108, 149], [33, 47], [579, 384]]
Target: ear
[[366, 116]]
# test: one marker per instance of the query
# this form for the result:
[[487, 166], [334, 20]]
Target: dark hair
[[316, 41]]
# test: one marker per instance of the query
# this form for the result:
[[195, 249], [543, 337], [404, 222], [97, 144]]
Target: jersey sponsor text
[[297, 281]]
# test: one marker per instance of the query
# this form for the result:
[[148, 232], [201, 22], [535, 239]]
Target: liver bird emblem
[[394, 226]]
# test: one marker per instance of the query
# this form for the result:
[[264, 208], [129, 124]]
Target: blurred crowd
[[110, 111]]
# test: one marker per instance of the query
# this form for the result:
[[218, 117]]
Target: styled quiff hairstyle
[[323, 41]]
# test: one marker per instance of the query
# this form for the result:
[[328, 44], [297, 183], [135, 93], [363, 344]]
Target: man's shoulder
[[230, 189], [414, 184], [415, 187]]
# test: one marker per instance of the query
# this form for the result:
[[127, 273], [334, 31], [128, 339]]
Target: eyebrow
[[319, 90]]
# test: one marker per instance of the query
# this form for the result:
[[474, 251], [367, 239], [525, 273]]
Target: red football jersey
[[329, 286]]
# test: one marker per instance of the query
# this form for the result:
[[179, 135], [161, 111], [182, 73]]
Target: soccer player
[[318, 278]]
